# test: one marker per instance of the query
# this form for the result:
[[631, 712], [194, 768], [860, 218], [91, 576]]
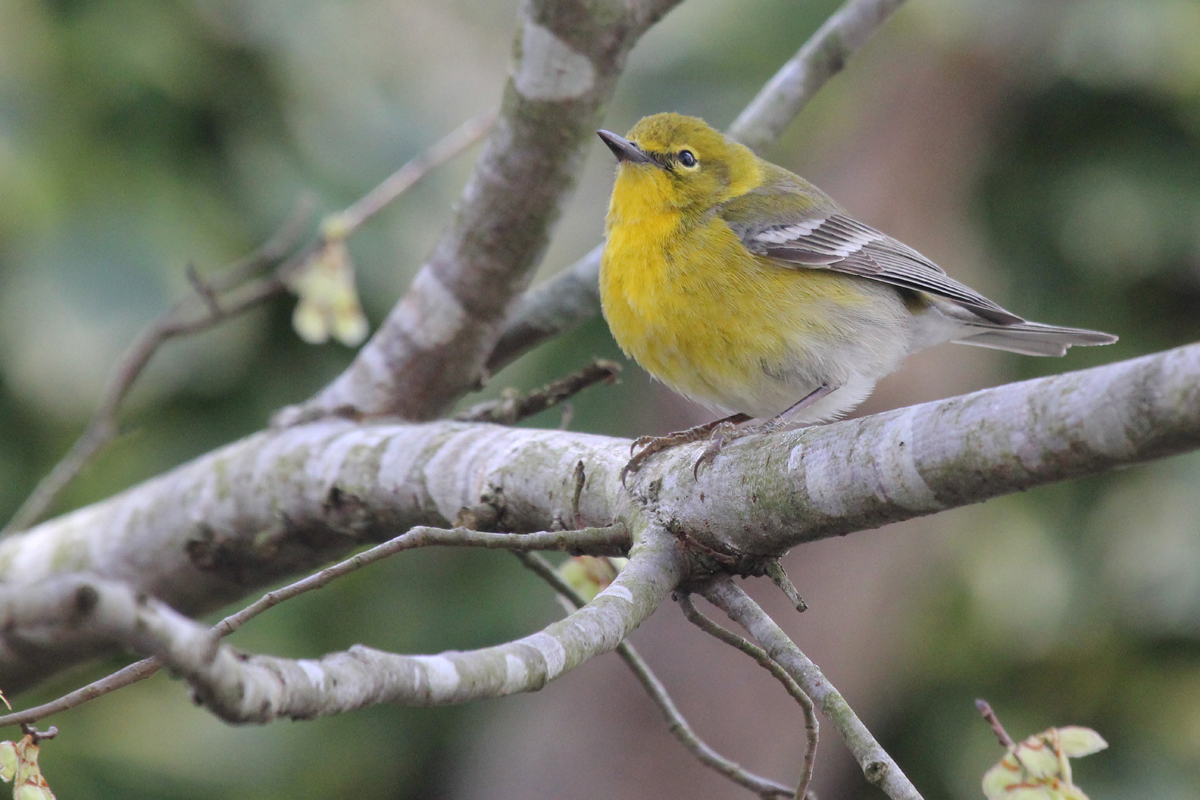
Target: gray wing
[[843, 244]]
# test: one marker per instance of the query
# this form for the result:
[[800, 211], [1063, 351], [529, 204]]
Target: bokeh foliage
[[137, 136]]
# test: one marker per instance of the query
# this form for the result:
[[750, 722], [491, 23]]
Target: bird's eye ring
[[686, 158]]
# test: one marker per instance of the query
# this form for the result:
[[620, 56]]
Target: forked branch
[[229, 293], [235, 290], [677, 724], [811, 728], [878, 767], [316, 491]]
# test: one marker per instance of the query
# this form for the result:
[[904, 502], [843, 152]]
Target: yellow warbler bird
[[747, 289]]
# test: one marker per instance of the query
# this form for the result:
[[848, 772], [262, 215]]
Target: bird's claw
[[719, 431], [721, 434], [649, 446], [641, 441]]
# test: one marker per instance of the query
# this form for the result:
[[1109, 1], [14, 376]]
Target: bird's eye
[[686, 158]]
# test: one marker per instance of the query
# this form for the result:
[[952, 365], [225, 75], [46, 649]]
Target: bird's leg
[[653, 444], [723, 433]]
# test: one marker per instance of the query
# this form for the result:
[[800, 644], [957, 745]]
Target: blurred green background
[[1044, 151]]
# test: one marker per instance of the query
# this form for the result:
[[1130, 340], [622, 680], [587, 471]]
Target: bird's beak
[[624, 149]]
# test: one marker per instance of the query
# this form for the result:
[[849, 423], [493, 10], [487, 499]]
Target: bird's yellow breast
[[710, 319]]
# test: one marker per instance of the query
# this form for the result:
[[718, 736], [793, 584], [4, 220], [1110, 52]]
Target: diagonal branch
[[233, 291], [552, 308], [876, 764], [409, 175], [432, 347], [572, 297], [798, 81]]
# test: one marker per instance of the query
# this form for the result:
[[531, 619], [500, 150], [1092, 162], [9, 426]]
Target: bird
[[747, 289]]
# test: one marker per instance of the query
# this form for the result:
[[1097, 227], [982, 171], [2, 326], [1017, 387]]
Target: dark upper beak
[[625, 150]]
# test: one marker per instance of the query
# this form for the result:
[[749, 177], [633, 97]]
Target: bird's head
[[677, 162]]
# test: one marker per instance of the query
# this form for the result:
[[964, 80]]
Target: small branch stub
[[986, 710], [780, 578]]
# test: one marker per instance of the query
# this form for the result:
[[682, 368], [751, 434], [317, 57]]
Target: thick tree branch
[[572, 297], [877, 766], [432, 347], [286, 501], [848, 476]]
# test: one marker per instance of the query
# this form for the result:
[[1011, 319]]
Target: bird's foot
[[649, 445], [723, 433]]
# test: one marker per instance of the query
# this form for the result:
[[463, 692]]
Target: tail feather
[[1034, 338]]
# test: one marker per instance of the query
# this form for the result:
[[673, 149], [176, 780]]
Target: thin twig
[[410, 175], [181, 319], [678, 725], [780, 578], [580, 479], [38, 736], [613, 539], [811, 727], [878, 767], [512, 408], [985, 709], [595, 541], [340, 225], [126, 676], [203, 289], [272, 252]]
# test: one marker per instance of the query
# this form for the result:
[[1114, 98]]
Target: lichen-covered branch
[[259, 689], [432, 348], [833, 479], [572, 297], [286, 501], [878, 767]]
